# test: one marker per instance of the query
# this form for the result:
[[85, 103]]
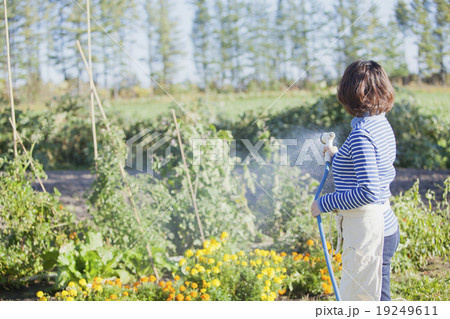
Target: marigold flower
[[266, 263], [259, 276], [194, 285], [152, 278], [307, 255], [306, 258], [98, 280], [69, 299], [42, 299], [194, 272], [259, 262], [205, 297], [216, 270], [125, 294], [277, 280], [189, 253], [310, 242], [113, 297], [294, 253], [203, 290], [283, 254], [64, 293], [177, 278], [268, 283], [188, 268], [135, 289], [162, 284], [82, 282], [71, 284], [215, 282], [169, 284], [283, 269], [206, 244], [57, 295], [226, 257], [194, 294], [211, 261], [180, 297], [201, 269], [182, 262], [244, 263], [224, 236], [40, 294], [270, 298], [253, 263], [171, 296], [182, 288], [144, 279], [263, 297], [281, 292], [273, 294], [266, 289], [73, 292]]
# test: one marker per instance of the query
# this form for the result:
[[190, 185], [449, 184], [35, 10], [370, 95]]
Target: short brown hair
[[365, 88]]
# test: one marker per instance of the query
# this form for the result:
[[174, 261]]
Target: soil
[[73, 184]]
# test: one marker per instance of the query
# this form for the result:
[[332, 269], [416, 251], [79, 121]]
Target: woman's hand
[[315, 211], [332, 150]]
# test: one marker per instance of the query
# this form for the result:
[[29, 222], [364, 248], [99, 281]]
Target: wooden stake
[[27, 155], [11, 93], [91, 83], [188, 177], [121, 168]]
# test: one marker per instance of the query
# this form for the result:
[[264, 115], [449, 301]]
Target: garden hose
[[327, 139]]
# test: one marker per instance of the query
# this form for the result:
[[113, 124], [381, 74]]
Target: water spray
[[327, 139]]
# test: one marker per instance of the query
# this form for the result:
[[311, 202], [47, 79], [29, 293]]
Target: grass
[[430, 283]]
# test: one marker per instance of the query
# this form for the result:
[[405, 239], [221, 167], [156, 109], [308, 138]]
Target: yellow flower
[[39, 294], [266, 288], [294, 254], [98, 280], [189, 253], [188, 298], [152, 278], [113, 297], [253, 263], [203, 290], [216, 269], [64, 293], [73, 292], [310, 242], [270, 298], [194, 272], [177, 278], [244, 263], [215, 282], [259, 276], [182, 262], [201, 269], [57, 295], [273, 294], [241, 253], [224, 236], [125, 293], [306, 258], [219, 263], [69, 299], [277, 280], [211, 261], [194, 285], [206, 244], [188, 268], [82, 282], [42, 299], [259, 262], [71, 284], [144, 279], [171, 296], [180, 297], [283, 254], [194, 294], [182, 288], [266, 263], [226, 257], [162, 284], [205, 297], [268, 283], [328, 245], [263, 297]]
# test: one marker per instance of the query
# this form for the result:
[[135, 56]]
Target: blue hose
[[322, 234]]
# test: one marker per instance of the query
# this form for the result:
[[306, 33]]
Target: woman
[[363, 170]]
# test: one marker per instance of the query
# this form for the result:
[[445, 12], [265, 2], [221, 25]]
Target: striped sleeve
[[367, 191]]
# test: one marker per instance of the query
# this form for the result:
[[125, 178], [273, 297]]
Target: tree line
[[237, 45]]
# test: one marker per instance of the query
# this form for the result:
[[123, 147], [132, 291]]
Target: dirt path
[[73, 184]]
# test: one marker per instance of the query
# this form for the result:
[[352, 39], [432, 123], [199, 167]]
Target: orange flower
[[310, 242], [162, 284], [281, 291], [135, 289], [306, 258], [180, 297], [136, 284], [177, 278], [194, 285], [188, 298], [125, 293], [205, 297], [171, 296], [294, 254], [194, 294], [283, 254], [152, 278], [182, 288]]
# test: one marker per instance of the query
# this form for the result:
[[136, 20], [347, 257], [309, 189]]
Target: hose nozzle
[[327, 139]]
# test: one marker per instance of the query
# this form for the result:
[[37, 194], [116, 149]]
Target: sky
[[184, 12]]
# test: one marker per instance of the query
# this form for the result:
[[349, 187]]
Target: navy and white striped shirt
[[363, 169]]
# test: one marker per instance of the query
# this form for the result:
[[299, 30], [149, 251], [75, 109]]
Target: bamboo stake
[[27, 155], [91, 83], [121, 168], [188, 177], [11, 93]]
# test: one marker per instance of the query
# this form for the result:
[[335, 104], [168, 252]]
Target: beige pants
[[362, 232]]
